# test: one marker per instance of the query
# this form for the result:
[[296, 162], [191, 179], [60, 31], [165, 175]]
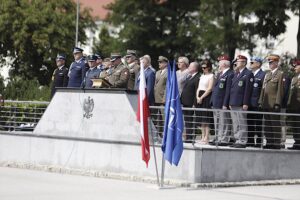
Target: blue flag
[[172, 142]]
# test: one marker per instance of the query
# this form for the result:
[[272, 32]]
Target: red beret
[[223, 57], [241, 57], [296, 62]]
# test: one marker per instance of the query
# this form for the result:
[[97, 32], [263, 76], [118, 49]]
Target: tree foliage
[[154, 28], [191, 28], [33, 32]]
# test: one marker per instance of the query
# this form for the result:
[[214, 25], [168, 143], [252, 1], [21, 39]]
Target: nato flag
[[172, 142]]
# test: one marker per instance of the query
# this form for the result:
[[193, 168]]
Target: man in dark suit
[[60, 75], [220, 100], [150, 78], [293, 105], [240, 93], [188, 99], [77, 69], [255, 120]]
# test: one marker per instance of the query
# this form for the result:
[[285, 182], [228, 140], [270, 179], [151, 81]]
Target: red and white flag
[[143, 114]]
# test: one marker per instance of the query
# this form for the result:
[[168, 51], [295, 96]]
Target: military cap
[[77, 50], [114, 56], [241, 58], [92, 58], [61, 57], [256, 59], [273, 57], [131, 53], [296, 62], [162, 59], [98, 55], [223, 57]]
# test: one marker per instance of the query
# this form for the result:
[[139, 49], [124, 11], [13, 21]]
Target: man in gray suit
[[160, 91]]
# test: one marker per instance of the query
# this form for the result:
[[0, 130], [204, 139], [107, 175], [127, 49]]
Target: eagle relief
[[88, 106]]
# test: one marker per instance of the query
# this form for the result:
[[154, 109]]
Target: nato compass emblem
[[88, 107]]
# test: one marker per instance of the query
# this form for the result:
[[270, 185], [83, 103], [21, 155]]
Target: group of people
[[228, 92]]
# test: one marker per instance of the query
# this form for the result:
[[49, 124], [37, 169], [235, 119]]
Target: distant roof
[[98, 12]]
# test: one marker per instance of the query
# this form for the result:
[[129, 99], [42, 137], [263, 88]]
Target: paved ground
[[20, 184]]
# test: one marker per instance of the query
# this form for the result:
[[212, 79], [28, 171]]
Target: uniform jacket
[[286, 88], [133, 75], [257, 86], [188, 95], [241, 88], [119, 76], [272, 91], [221, 90], [160, 86], [150, 81], [294, 95], [91, 74], [77, 73], [60, 78]]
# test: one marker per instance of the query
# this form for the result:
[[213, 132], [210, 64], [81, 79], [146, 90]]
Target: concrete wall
[[109, 141]]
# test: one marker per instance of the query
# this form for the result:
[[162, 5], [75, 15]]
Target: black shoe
[[212, 142], [294, 147], [240, 146], [222, 144], [250, 145]]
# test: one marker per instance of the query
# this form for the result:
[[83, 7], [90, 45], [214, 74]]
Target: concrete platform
[[107, 144]]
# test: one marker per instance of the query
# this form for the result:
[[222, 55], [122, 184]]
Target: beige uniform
[[119, 76], [133, 71], [293, 107], [271, 95], [160, 86]]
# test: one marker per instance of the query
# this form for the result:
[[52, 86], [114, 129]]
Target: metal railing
[[234, 128], [21, 115], [258, 129]]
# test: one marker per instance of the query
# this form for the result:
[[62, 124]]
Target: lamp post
[[77, 20]]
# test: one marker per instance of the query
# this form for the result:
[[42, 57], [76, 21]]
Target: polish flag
[[142, 116]]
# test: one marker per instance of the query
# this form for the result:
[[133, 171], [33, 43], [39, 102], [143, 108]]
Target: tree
[[225, 25], [294, 5], [154, 27], [106, 43], [192, 28], [33, 32]]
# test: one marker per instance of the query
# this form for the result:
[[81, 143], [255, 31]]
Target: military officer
[[119, 73], [133, 67], [77, 69], [60, 75], [255, 120], [160, 90], [92, 72], [293, 105], [99, 62], [240, 93], [270, 101], [220, 100]]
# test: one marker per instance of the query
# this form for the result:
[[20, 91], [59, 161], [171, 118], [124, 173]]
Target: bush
[[26, 90]]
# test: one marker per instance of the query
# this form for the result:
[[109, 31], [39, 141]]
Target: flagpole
[[154, 153], [162, 171]]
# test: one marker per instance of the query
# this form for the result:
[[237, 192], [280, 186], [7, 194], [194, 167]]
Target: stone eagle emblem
[[88, 107]]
